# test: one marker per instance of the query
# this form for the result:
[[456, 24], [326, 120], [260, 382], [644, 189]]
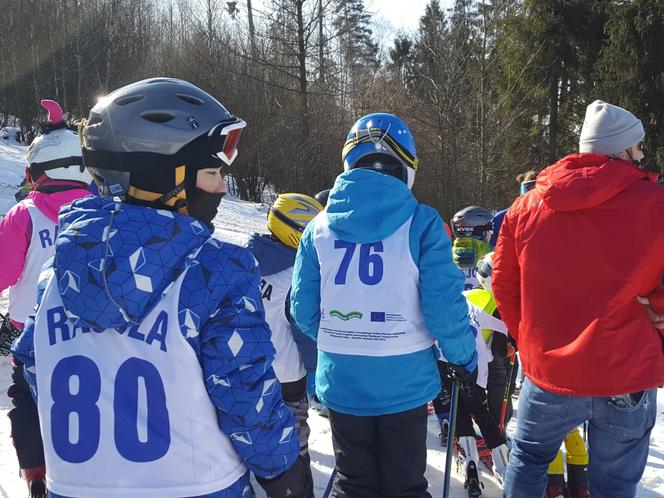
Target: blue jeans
[[618, 440]]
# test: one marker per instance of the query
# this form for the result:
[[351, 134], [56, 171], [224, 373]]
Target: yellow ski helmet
[[288, 216]]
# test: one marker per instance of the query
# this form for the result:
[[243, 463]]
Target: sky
[[391, 16], [403, 14]]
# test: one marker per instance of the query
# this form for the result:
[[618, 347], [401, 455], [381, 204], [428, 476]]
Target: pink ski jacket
[[16, 232]]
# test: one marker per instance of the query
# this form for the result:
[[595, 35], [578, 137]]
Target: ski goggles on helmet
[[382, 137], [475, 232], [228, 132], [290, 223], [527, 186]]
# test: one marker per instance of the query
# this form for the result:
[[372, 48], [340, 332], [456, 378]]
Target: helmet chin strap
[[411, 177]]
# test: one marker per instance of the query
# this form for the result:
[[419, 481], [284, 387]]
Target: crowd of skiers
[[160, 361]]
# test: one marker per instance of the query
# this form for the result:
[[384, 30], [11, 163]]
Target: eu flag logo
[[378, 316]]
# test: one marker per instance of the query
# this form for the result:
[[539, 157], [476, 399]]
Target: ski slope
[[235, 221], [12, 171]]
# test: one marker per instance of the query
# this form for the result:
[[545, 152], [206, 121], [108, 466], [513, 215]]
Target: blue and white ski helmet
[[381, 134]]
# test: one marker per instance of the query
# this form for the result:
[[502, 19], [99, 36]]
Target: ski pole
[[330, 484], [506, 394], [454, 402]]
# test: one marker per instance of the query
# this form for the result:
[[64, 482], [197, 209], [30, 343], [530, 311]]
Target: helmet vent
[[158, 116], [129, 99], [189, 99]]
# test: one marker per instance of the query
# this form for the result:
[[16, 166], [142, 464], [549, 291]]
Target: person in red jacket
[[573, 256]]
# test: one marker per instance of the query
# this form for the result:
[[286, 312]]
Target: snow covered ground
[[12, 171], [235, 221]]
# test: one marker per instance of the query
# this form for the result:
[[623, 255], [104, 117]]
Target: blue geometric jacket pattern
[[114, 284]]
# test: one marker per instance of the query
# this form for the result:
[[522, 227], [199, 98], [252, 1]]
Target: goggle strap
[[368, 136], [287, 221], [62, 162], [170, 199]]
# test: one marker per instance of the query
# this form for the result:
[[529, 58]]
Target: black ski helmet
[[322, 196], [146, 141], [473, 221]]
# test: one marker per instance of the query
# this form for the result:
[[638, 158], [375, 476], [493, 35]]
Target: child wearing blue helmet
[[375, 285]]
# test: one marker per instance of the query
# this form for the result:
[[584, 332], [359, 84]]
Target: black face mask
[[203, 205]]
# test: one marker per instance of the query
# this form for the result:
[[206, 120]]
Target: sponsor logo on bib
[[346, 316]]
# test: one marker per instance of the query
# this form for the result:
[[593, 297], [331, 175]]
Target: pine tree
[[547, 74], [401, 58], [631, 67], [358, 51]]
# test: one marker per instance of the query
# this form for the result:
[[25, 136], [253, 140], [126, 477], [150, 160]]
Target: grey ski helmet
[[473, 221], [145, 141]]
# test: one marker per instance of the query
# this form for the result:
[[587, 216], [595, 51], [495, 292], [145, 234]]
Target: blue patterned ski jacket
[[220, 292]]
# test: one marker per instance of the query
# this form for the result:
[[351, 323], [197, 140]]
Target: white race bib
[[288, 366], [22, 295], [370, 302], [129, 411]]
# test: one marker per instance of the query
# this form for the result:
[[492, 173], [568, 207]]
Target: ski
[[444, 433], [485, 453], [330, 484], [473, 485]]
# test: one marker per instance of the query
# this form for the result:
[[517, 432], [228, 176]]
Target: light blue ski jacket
[[364, 207]]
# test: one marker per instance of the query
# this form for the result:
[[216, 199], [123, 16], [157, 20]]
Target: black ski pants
[[500, 373], [472, 406], [502, 376], [24, 421], [381, 456]]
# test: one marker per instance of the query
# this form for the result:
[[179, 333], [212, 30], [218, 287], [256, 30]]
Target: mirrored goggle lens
[[231, 143], [231, 133], [477, 232]]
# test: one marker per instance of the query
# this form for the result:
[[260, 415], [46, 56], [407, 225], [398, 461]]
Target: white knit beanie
[[609, 129]]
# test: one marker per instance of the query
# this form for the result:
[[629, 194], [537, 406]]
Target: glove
[[467, 252], [464, 378], [296, 482]]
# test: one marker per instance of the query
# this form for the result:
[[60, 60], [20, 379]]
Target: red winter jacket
[[571, 258]]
